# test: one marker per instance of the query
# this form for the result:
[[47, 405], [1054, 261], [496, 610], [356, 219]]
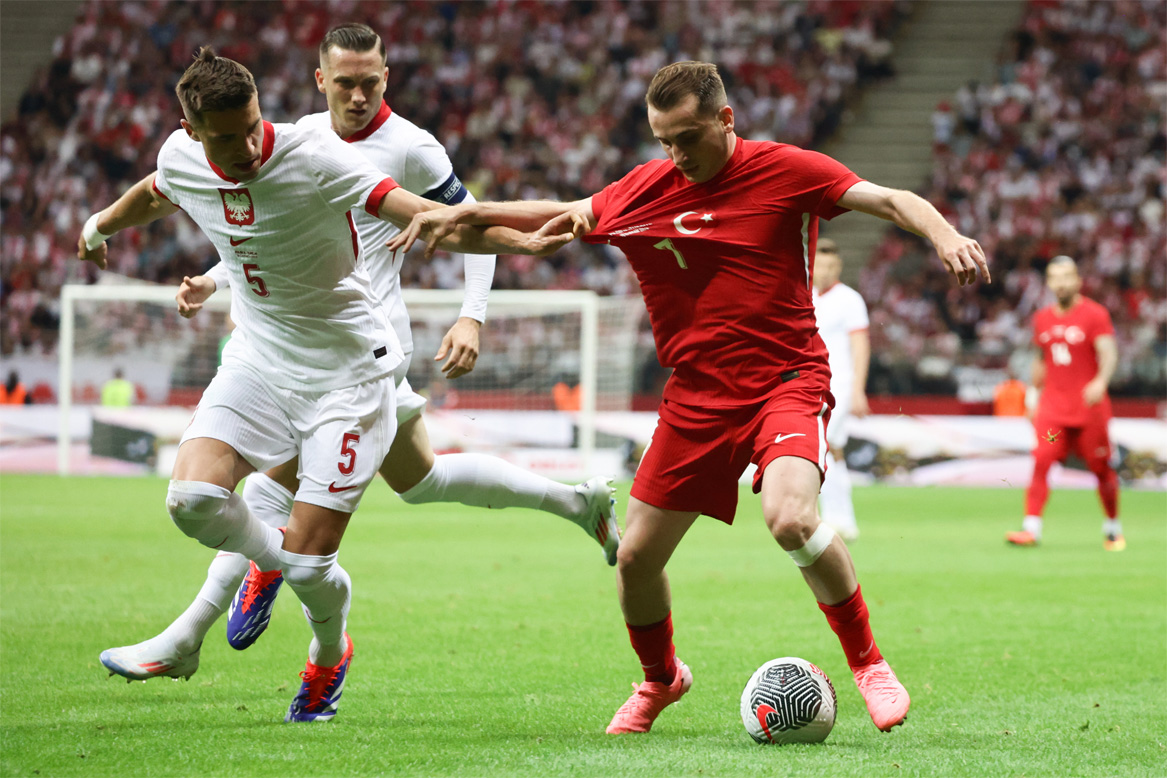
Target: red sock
[[849, 621], [654, 645], [1038, 491], [1108, 492]]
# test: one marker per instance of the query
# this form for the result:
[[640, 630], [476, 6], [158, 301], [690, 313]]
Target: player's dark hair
[[213, 83], [353, 36], [673, 83]]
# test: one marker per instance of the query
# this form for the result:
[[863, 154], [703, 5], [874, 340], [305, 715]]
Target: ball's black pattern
[[792, 693]]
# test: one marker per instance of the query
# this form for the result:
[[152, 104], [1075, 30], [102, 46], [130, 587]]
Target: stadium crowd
[[531, 99], [1062, 154]]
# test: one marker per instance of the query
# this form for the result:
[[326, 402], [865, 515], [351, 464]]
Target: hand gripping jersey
[[419, 164], [307, 317], [725, 266], [1067, 346], [840, 311]]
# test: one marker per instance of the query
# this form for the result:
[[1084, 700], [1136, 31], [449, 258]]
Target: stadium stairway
[[28, 30], [887, 136]]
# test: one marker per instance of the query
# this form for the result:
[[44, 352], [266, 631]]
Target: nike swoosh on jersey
[[332, 487], [781, 438], [240, 241]]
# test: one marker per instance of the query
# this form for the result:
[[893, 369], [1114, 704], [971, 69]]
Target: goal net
[[548, 362]]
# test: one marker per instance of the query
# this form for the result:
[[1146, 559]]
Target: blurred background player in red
[[1078, 357]]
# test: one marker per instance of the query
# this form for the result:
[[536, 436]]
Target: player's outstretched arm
[[139, 205], [434, 225], [962, 257]]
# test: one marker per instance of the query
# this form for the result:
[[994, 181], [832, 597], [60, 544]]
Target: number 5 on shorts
[[346, 450]]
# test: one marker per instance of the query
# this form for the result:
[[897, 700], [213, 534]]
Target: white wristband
[[93, 237]]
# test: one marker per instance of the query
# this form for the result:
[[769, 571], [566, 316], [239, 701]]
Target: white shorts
[[409, 402], [341, 436], [839, 429]]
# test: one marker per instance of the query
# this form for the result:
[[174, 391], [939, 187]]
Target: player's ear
[[725, 116], [190, 130], [320, 79]]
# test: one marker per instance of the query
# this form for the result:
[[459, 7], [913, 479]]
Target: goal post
[[549, 362]]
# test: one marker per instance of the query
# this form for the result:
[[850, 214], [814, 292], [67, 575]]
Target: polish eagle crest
[[237, 206]]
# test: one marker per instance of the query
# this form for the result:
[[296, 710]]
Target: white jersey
[[839, 311], [416, 161], [306, 313]]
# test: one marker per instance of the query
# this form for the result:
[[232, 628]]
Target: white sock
[[325, 590], [219, 519], [838, 509], [189, 629], [267, 500], [1111, 527], [1032, 525], [489, 482]]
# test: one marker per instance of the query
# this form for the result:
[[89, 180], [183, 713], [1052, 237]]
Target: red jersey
[[1067, 346], [725, 266]]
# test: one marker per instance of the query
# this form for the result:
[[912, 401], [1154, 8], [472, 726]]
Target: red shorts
[[1090, 441], [697, 455]]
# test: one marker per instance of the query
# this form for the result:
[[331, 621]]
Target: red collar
[[269, 142], [382, 116]]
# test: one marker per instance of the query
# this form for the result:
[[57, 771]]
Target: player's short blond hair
[[673, 83], [213, 83]]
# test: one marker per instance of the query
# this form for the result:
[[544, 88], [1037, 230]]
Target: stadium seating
[[530, 99], [1063, 153]]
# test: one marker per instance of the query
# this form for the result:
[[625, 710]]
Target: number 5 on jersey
[[347, 450], [257, 284]]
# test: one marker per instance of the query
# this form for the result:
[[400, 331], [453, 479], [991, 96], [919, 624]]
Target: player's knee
[[633, 563], [196, 508], [814, 547], [304, 572], [791, 521], [1099, 467]]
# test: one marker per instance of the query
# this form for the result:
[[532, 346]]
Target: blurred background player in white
[[841, 316], [1078, 358], [352, 76], [309, 371]]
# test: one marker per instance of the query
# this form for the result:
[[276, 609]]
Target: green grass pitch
[[490, 644]]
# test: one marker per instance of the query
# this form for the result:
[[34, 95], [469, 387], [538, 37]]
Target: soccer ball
[[789, 700]]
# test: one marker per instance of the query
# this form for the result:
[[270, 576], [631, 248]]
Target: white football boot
[[153, 658], [599, 516]]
